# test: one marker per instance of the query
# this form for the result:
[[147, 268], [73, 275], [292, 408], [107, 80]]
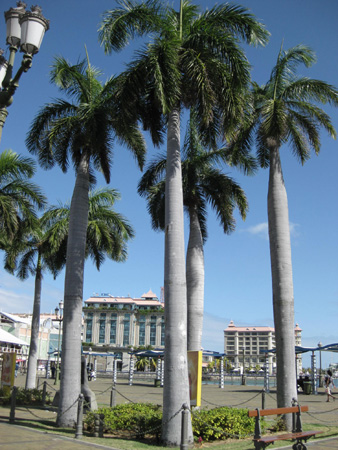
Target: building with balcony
[[117, 324], [243, 346]]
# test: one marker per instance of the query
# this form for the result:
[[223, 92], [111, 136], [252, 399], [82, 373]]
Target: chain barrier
[[232, 406], [130, 401], [25, 408], [97, 393]]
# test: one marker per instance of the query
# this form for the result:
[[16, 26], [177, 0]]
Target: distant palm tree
[[204, 184], [18, 196], [193, 59], [80, 132], [284, 110], [44, 248]]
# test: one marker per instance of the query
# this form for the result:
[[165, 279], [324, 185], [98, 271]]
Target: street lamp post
[[59, 318], [320, 365], [25, 31]]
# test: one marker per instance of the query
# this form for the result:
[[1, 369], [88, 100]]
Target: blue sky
[[238, 277]]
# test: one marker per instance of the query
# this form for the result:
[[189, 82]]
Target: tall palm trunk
[[176, 385], [73, 296], [195, 282], [282, 284], [34, 343]]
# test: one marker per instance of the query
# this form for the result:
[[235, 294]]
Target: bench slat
[[277, 411], [287, 436]]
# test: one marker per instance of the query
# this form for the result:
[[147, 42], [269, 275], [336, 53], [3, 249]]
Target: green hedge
[[24, 397], [145, 418], [220, 423], [138, 418]]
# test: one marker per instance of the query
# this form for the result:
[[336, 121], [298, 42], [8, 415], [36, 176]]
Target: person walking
[[329, 384]]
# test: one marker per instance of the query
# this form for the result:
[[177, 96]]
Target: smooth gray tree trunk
[[34, 343], [195, 282], [176, 383], [282, 284], [70, 387]]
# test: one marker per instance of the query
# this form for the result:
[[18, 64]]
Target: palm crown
[[194, 59], [284, 109], [84, 128]]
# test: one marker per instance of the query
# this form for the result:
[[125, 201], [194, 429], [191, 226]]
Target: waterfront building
[[118, 324], [243, 346]]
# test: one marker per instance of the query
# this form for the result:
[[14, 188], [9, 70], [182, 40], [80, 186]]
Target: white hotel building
[[244, 345]]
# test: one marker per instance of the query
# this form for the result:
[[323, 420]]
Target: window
[[162, 331], [89, 328], [126, 329], [113, 322], [142, 330], [102, 328], [153, 330]]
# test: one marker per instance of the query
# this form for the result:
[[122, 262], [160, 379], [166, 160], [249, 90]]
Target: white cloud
[[17, 296], [262, 230]]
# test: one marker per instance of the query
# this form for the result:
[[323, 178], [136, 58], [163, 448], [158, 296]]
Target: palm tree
[[203, 184], [18, 196], [82, 132], [29, 254], [192, 59], [44, 248], [284, 110]]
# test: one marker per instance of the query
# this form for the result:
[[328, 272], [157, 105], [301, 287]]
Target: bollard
[[79, 425], [263, 398], [13, 403], [184, 430], [44, 393], [96, 425], [113, 397], [101, 417]]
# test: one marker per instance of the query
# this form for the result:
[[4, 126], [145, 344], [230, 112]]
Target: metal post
[[263, 398], [113, 397], [79, 425], [320, 383], [266, 375], [243, 374], [96, 425], [44, 393], [57, 372], [314, 373], [162, 373], [114, 371], [184, 430], [221, 374], [13, 403], [131, 370]]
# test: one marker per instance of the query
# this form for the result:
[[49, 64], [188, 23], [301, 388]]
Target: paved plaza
[[142, 390]]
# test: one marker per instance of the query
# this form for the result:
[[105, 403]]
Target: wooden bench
[[297, 433]]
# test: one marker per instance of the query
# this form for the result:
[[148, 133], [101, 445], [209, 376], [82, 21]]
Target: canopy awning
[[8, 338]]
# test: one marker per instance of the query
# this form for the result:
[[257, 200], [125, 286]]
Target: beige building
[[117, 324], [243, 346]]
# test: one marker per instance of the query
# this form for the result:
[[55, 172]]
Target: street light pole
[[59, 319], [25, 31]]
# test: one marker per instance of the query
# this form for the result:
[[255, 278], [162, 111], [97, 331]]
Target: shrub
[[139, 418], [220, 423], [24, 397]]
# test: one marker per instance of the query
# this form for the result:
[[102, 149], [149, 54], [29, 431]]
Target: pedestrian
[[329, 384], [16, 369], [53, 368]]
